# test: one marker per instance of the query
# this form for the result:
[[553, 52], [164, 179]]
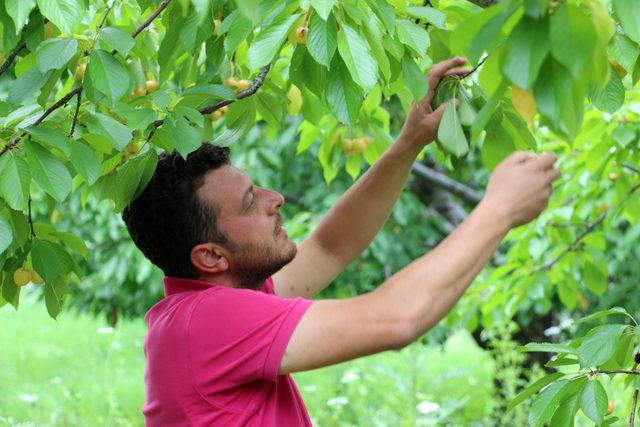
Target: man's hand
[[520, 187], [421, 126]]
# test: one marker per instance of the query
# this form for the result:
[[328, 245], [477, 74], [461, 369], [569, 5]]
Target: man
[[237, 318]]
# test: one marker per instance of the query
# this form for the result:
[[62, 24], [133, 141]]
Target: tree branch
[[75, 115], [150, 19], [7, 63], [255, 85], [474, 69], [441, 180], [33, 233], [590, 226]]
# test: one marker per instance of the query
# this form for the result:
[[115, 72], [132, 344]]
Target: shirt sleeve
[[238, 335]]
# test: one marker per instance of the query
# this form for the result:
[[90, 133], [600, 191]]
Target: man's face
[[249, 216]]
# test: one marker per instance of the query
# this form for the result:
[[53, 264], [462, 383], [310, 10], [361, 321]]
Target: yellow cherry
[[21, 277], [243, 84], [301, 35], [151, 85], [36, 278]]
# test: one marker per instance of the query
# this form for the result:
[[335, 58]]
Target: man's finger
[[546, 160], [436, 116], [519, 157], [436, 72], [460, 71]]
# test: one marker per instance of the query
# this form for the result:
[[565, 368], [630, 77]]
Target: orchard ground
[[77, 371]]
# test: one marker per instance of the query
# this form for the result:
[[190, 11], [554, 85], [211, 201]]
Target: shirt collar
[[174, 285]]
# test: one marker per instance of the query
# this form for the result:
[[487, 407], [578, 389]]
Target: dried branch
[[7, 63], [75, 115], [446, 183], [150, 19], [255, 85], [78, 90]]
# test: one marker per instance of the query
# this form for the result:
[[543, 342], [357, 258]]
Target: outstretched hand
[[421, 126]]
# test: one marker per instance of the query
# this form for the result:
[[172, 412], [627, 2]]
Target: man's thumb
[[437, 115]]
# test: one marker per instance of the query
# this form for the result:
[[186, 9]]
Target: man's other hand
[[421, 126], [520, 187]]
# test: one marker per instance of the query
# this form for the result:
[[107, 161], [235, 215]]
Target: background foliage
[[92, 90]]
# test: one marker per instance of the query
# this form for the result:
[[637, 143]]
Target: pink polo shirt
[[213, 355]]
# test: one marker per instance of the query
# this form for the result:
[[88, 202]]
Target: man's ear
[[209, 258]]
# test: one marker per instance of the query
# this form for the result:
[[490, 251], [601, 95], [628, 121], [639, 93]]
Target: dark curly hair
[[168, 219]]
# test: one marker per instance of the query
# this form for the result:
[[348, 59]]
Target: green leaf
[[385, 12], [413, 35], [65, 14], [611, 97], [51, 137], [594, 279], [107, 75], [85, 161], [6, 234], [48, 171], [52, 301], [573, 38], [428, 14], [489, 35], [133, 177], [268, 42], [450, 134], [185, 138], [19, 11], [566, 412], [486, 112], [527, 47], [600, 314], [343, 94], [117, 39], [355, 52], [323, 7], [27, 85], [413, 78], [119, 134], [323, 38], [600, 344], [532, 389], [55, 53], [594, 401], [14, 182], [550, 348], [546, 403], [629, 16], [44, 257]]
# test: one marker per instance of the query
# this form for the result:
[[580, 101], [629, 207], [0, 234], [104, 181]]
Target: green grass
[[76, 372]]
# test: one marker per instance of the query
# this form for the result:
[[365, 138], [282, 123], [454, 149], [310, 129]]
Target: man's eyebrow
[[246, 193]]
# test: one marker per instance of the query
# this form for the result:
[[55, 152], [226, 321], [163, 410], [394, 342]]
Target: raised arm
[[352, 223], [413, 300]]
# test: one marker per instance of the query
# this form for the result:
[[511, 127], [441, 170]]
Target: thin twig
[[7, 63], [567, 224], [33, 233], [632, 419], [104, 18], [631, 168], [618, 371], [75, 115], [590, 226], [150, 19], [257, 82], [473, 70]]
